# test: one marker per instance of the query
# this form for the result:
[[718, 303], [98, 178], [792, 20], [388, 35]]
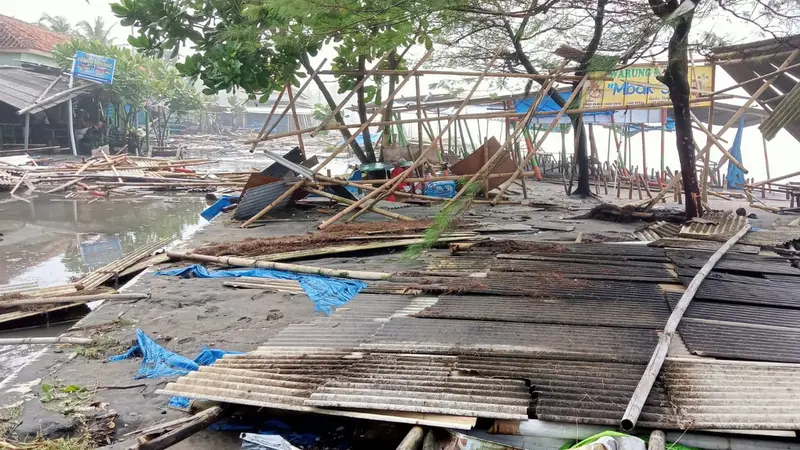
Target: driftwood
[[199, 421], [629, 213], [413, 439]]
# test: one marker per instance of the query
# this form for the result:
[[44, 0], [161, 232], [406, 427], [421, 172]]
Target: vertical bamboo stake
[[704, 174], [296, 122], [766, 158], [269, 118], [392, 184], [341, 104], [567, 104], [480, 135], [375, 114], [663, 137]]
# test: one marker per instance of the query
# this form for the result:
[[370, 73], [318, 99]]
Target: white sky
[[783, 149]]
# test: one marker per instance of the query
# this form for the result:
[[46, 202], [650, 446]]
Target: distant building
[[257, 113], [26, 42]]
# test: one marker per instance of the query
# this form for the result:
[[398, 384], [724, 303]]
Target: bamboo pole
[[642, 391], [644, 153], [753, 80], [46, 340], [275, 203], [366, 124], [297, 268], [491, 115], [269, 118], [71, 299], [451, 72], [716, 142], [65, 185], [553, 123], [296, 121], [345, 201], [347, 98], [704, 174], [663, 136], [657, 441], [766, 157], [413, 439], [392, 184], [773, 180], [290, 106], [419, 113]]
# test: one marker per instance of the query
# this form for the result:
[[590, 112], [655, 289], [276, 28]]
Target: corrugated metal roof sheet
[[717, 225], [20, 87], [657, 230], [589, 270], [742, 341], [602, 312], [734, 395], [445, 336], [259, 197]]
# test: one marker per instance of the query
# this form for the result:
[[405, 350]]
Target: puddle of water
[[49, 242]]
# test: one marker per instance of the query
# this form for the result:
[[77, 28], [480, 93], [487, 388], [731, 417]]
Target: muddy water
[[50, 240]]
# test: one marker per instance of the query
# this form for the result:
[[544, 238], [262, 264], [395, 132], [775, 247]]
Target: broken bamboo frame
[[300, 142], [392, 184], [552, 125], [346, 201], [714, 140], [642, 391], [269, 118], [754, 97], [346, 99], [773, 180], [65, 185], [366, 124], [297, 268], [275, 203], [291, 100], [477, 116]]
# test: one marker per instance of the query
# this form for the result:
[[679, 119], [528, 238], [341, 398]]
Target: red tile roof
[[18, 35]]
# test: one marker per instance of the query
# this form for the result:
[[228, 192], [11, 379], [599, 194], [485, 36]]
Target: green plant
[[101, 348]]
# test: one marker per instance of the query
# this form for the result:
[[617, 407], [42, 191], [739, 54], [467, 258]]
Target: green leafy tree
[[261, 46]]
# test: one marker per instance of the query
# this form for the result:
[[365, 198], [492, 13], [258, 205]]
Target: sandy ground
[[185, 315]]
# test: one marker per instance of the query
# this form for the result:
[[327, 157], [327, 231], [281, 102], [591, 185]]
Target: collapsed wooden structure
[[655, 184]]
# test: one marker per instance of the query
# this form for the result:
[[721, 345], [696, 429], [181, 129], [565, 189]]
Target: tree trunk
[[676, 78], [362, 111], [387, 113], [338, 116], [584, 188]]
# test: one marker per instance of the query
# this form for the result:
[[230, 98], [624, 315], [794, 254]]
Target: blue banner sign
[[99, 69]]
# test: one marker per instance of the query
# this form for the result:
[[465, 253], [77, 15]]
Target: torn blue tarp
[[327, 293], [373, 137], [549, 107], [735, 174], [212, 211], [159, 362]]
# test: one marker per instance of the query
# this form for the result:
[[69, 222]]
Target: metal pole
[[69, 113], [28, 130]]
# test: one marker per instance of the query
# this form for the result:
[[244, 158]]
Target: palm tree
[[59, 24], [96, 31]]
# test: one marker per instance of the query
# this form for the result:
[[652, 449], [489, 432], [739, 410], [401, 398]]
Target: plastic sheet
[[327, 293], [212, 211]]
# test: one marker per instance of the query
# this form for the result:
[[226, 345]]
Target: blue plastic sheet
[[159, 362], [327, 293], [735, 174], [441, 189], [212, 211]]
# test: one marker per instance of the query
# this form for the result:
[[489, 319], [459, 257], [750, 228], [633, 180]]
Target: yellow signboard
[[637, 85]]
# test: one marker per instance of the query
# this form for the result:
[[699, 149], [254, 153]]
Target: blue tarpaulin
[[373, 137], [327, 293], [548, 105], [159, 362], [735, 174], [212, 211]]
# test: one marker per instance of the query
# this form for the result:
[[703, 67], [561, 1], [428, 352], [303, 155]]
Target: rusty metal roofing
[[555, 286], [758, 265], [660, 273], [22, 87], [422, 384], [620, 313], [300, 381], [695, 244], [741, 341], [733, 394], [746, 314], [446, 336], [607, 252]]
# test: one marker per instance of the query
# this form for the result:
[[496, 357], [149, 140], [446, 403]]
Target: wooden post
[[766, 158], [704, 174], [648, 379], [296, 121], [147, 132], [28, 130]]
